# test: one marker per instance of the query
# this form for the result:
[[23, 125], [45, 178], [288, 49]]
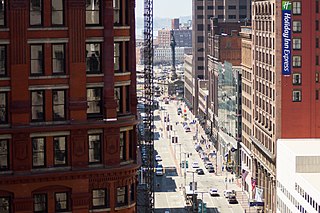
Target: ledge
[[261, 147], [125, 207], [101, 210]]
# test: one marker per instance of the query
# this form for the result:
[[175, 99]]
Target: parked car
[[211, 169], [159, 170], [187, 129], [158, 158], [195, 164], [213, 192], [208, 164], [226, 193], [200, 171], [232, 199]]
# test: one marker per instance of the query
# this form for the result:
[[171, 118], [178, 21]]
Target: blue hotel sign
[[286, 37]]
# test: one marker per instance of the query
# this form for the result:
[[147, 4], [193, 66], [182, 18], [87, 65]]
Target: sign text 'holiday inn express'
[[286, 37]]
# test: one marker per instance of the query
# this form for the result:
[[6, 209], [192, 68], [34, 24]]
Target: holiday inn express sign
[[286, 37]]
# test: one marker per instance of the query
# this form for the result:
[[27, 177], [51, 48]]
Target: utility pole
[[193, 190]]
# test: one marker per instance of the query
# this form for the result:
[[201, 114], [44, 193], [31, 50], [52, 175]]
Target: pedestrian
[[222, 168], [232, 179]]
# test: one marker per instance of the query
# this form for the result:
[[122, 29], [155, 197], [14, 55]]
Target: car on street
[[159, 170], [213, 192], [187, 129], [158, 158], [195, 164], [200, 171], [228, 192], [211, 169], [179, 111], [232, 199], [208, 164]]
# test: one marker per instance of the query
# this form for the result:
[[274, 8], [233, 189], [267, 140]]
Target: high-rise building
[[232, 14], [183, 37], [68, 106], [175, 24]]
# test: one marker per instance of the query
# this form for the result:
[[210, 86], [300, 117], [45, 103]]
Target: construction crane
[[148, 97]]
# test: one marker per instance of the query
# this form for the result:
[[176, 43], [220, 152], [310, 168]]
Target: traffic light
[[187, 165]]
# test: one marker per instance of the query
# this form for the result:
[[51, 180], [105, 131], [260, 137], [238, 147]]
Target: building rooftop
[[302, 147]]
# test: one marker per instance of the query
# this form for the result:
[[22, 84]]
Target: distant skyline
[[167, 8]]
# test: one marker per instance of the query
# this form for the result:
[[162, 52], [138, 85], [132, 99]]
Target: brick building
[[68, 106]]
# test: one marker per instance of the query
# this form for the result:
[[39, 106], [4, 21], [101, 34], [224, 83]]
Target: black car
[[200, 172], [210, 169]]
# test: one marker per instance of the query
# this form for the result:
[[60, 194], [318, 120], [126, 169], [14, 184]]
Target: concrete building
[[164, 55], [183, 37], [247, 109], [298, 174], [175, 25], [68, 106]]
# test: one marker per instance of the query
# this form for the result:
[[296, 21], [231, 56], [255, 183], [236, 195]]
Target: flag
[[244, 175], [253, 183], [259, 194]]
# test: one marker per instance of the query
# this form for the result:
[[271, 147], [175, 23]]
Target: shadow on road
[[183, 210], [166, 183]]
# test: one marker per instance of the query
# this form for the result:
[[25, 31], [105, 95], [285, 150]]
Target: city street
[[169, 195]]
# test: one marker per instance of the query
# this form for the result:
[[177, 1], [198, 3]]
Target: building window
[[200, 39], [58, 104], [93, 58], [99, 198], [4, 156], [40, 203], [220, 7], [36, 57], [37, 105], [200, 27], [38, 152], [57, 12], [296, 44], [122, 196], [296, 78], [94, 97], [35, 12], [296, 61], [3, 108], [232, 7], [61, 201], [232, 17], [95, 148], [317, 25], [317, 42], [220, 16], [92, 12], [296, 26], [132, 193], [5, 204], [317, 77], [118, 98], [60, 151], [122, 146], [116, 59], [296, 8], [117, 12], [296, 96], [3, 13], [58, 59], [3, 60]]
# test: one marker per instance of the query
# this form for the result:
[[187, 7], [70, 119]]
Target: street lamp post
[[193, 188]]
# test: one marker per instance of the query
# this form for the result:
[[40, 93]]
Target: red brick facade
[[107, 163]]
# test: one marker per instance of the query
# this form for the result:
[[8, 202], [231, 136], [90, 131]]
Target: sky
[[166, 8]]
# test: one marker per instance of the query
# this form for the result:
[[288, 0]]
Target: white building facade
[[298, 175]]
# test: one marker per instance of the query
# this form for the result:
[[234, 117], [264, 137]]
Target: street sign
[[193, 186]]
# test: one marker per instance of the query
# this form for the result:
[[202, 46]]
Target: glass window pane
[[117, 96], [58, 58], [98, 198], [94, 149], [40, 202], [4, 204], [92, 12], [36, 57], [60, 151], [38, 152], [37, 105], [116, 56], [57, 12], [2, 12], [61, 200], [94, 100], [4, 155], [3, 108], [93, 58], [122, 146], [35, 12], [121, 196], [116, 9], [58, 100], [3, 59]]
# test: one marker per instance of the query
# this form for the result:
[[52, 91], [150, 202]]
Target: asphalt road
[[169, 195]]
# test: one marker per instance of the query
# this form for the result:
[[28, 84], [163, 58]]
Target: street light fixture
[[193, 189]]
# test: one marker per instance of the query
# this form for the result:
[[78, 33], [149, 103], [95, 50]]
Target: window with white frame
[[296, 43], [296, 96], [296, 61], [296, 8], [296, 78]]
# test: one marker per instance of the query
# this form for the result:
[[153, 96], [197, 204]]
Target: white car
[[213, 192], [158, 158], [195, 164], [226, 193]]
